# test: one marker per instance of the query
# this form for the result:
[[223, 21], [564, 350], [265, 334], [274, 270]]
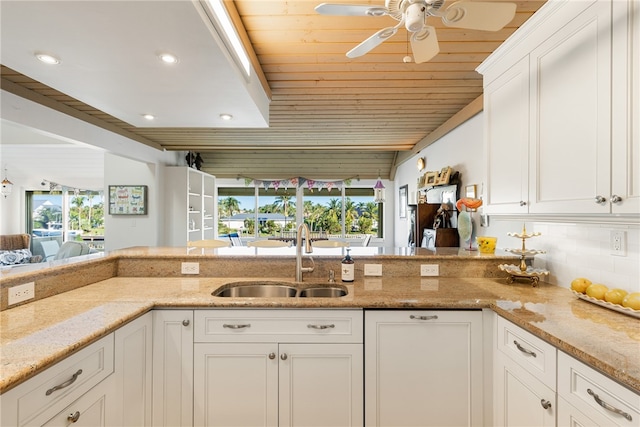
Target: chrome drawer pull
[[608, 407], [74, 417], [524, 350], [321, 326], [545, 404], [423, 317], [240, 326], [65, 384]]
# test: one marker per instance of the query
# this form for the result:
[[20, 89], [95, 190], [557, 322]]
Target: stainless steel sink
[[323, 292], [272, 289], [256, 290]]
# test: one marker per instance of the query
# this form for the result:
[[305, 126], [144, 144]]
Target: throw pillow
[[19, 256]]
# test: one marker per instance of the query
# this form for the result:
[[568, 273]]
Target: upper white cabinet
[[562, 135], [189, 205]]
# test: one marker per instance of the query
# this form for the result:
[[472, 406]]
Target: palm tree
[[350, 213], [77, 202], [333, 213], [229, 206]]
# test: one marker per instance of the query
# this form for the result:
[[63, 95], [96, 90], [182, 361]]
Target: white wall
[[574, 248]]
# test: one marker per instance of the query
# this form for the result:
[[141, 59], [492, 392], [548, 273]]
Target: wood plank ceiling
[[331, 117]]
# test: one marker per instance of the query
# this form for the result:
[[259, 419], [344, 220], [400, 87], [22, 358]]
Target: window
[[63, 216], [322, 212]]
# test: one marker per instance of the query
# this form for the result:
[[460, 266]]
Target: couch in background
[[14, 250]]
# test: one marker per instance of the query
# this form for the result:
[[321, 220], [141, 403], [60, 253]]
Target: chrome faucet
[[303, 229]]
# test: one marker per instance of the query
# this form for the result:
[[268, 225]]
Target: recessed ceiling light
[[168, 58], [149, 116], [226, 117], [47, 59]]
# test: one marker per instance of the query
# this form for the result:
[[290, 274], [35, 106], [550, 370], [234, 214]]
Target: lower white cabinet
[[133, 363], [249, 373], [172, 368], [423, 368], [524, 378], [79, 387], [590, 398]]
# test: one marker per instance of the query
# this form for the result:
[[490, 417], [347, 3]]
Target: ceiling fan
[[475, 15]]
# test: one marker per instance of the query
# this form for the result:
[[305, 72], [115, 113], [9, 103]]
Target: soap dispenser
[[348, 267]]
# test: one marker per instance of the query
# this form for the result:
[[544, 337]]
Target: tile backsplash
[[576, 250]]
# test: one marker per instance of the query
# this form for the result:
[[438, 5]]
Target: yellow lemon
[[597, 291], [615, 296], [632, 301], [580, 284]]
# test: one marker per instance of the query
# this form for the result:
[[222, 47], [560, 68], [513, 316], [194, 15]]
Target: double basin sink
[[268, 289]]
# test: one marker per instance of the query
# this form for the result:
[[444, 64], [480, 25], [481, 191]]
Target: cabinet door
[[94, 409], [423, 368], [320, 385], [133, 362], [506, 106], [570, 139], [172, 368], [569, 416], [626, 108], [520, 398], [236, 384]]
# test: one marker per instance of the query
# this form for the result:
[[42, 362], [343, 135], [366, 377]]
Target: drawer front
[[528, 351], [63, 382], [594, 393], [337, 326]]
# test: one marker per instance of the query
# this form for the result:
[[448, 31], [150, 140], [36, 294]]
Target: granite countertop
[[38, 334]]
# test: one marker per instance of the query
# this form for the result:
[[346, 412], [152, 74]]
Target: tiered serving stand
[[523, 271]]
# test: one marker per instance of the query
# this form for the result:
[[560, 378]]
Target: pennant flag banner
[[298, 182]]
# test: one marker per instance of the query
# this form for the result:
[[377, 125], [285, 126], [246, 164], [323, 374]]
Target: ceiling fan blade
[[373, 41], [424, 44], [350, 10], [478, 15]]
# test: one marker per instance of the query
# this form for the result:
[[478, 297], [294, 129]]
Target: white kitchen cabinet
[[590, 397], [583, 103], [172, 397], [189, 205], [524, 378], [423, 368], [506, 106], [133, 375], [63, 389], [278, 368]]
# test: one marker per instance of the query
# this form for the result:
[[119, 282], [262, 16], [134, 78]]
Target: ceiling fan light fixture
[[414, 17], [47, 58]]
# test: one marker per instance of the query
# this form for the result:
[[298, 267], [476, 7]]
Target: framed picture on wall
[[128, 200], [403, 201]]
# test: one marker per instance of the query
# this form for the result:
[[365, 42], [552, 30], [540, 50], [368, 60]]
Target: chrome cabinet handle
[[67, 383], [545, 404], [615, 198], [423, 317], [74, 417], [283, 356], [321, 326], [524, 350], [272, 356], [600, 199], [523, 203], [608, 407], [185, 322], [239, 326]]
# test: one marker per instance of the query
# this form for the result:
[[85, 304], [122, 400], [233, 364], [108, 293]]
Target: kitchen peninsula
[[78, 303]]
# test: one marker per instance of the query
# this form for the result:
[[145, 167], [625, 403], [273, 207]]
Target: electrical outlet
[[373, 269], [190, 268], [429, 270], [21, 293], [618, 242]]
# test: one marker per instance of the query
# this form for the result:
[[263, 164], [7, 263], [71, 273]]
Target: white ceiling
[[98, 70]]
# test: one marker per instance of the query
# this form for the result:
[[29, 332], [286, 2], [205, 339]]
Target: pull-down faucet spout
[[302, 229]]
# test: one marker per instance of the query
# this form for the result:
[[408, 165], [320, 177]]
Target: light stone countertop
[[38, 334]]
